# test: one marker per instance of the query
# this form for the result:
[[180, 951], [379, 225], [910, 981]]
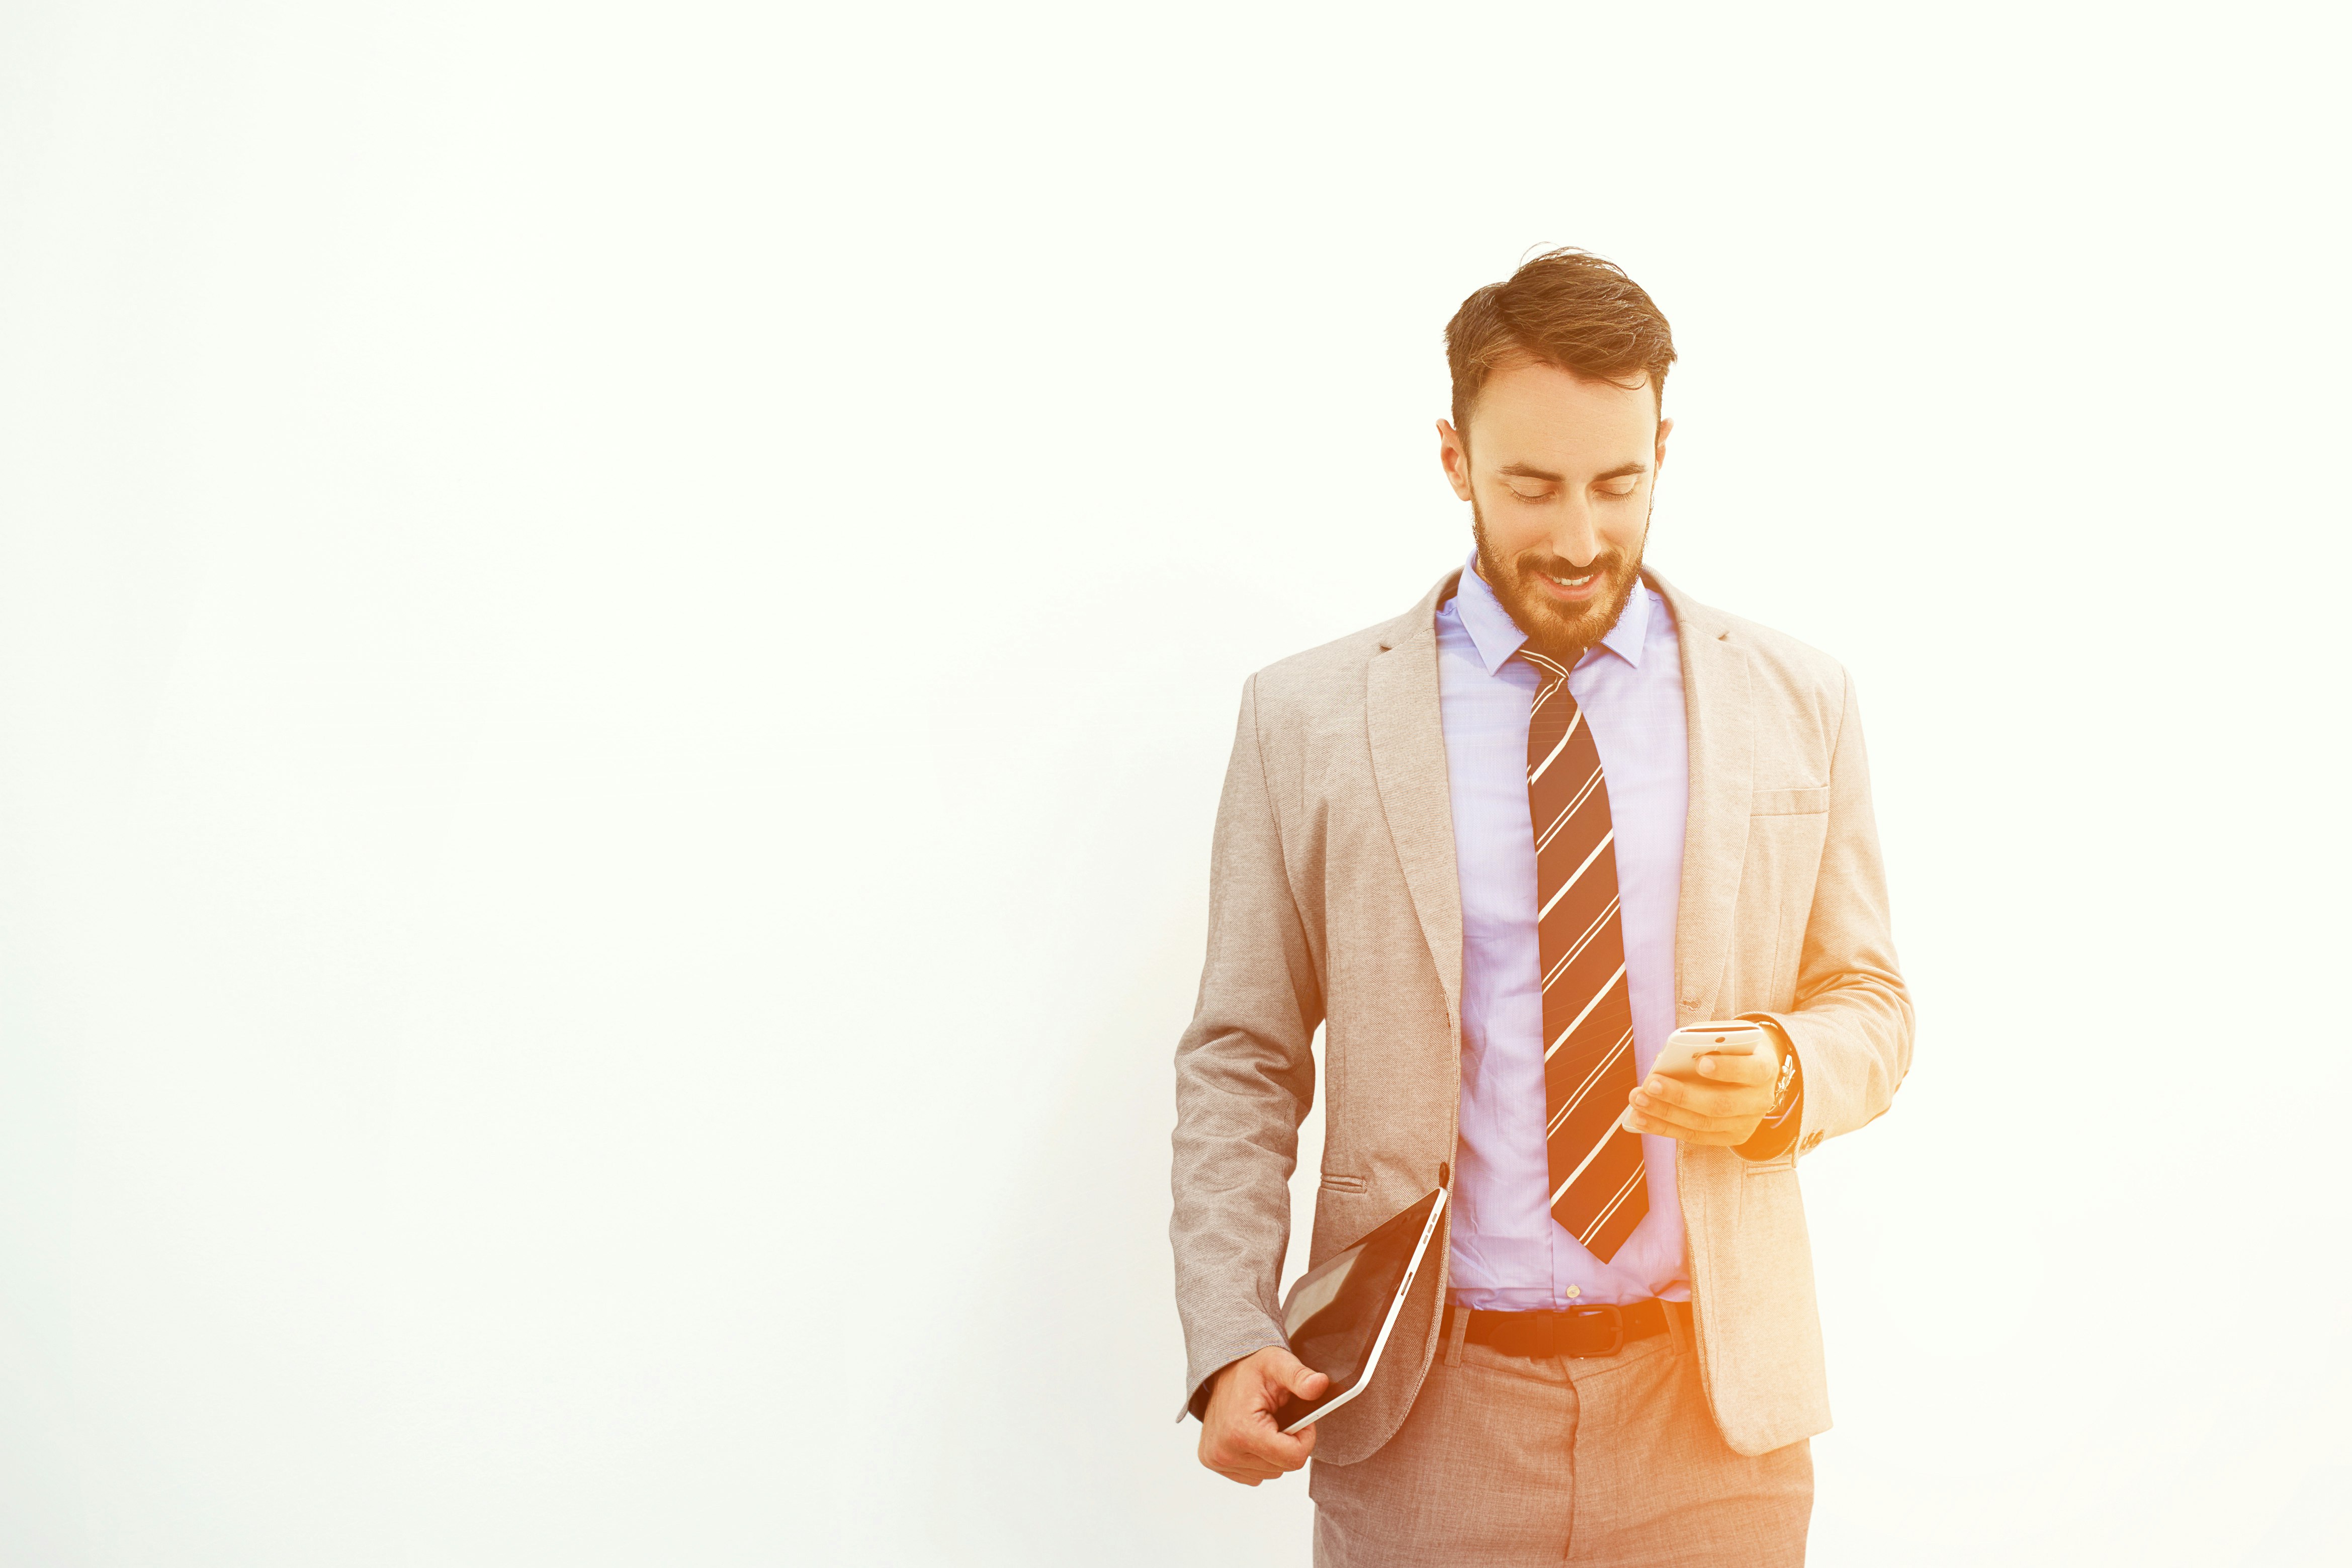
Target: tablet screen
[[1336, 1310]]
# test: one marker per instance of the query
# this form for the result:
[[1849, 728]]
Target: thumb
[[1297, 1376]]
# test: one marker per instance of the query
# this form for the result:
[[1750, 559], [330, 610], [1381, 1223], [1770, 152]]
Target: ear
[[1453, 454], [1665, 429]]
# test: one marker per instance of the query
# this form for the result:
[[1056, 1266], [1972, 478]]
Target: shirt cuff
[[1777, 1131]]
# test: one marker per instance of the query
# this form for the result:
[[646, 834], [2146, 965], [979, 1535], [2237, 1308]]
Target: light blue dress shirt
[[1508, 1252]]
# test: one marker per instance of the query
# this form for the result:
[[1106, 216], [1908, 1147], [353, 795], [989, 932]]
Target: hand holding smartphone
[[1679, 1057]]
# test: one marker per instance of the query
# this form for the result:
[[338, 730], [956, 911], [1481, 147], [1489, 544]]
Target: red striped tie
[[1598, 1191]]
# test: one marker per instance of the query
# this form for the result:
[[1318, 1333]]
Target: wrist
[[1215, 1381], [1786, 1079], [1778, 1129]]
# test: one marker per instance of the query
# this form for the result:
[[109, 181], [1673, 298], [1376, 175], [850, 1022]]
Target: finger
[[1705, 1097], [1236, 1456], [1680, 1120], [1671, 1094], [1270, 1445], [1638, 1123], [1239, 1461], [1685, 1124], [1685, 1120], [1757, 1068], [1260, 1441], [1239, 1467]]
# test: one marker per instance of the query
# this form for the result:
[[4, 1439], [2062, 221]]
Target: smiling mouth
[[1571, 582]]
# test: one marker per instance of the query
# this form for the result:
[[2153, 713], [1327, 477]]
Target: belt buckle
[[1612, 1316]]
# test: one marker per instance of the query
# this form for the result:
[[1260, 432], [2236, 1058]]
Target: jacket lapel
[[1408, 745], [1722, 765]]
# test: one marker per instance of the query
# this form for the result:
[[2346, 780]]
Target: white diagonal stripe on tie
[[1580, 944], [1588, 1160], [1544, 837], [1580, 871], [1573, 1100], [1612, 986], [1574, 720], [1614, 1204]]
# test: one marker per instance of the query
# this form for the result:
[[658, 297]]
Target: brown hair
[[1564, 308]]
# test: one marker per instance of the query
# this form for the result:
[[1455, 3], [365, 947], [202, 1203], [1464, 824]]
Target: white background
[[619, 626]]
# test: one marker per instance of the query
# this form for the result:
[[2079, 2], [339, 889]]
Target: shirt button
[[1573, 1292]]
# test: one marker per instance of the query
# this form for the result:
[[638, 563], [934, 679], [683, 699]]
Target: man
[[1499, 849]]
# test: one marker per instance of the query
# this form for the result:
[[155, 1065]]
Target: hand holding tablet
[[1338, 1314], [1239, 1438], [1262, 1410]]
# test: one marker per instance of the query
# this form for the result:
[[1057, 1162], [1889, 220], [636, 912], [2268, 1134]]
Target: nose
[[1577, 537]]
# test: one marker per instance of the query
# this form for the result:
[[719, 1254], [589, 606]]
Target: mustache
[[1609, 561]]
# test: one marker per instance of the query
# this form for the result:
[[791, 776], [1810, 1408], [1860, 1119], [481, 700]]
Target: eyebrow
[[1529, 471]]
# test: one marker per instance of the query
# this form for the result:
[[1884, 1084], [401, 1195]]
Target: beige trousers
[[1601, 1460]]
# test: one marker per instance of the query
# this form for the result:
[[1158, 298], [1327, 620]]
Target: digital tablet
[[1337, 1316]]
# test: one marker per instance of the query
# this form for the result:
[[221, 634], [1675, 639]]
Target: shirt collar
[[1496, 636]]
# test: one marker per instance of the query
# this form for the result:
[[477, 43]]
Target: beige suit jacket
[[1334, 901]]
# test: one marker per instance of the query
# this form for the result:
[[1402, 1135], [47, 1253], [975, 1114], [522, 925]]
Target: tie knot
[[1551, 668]]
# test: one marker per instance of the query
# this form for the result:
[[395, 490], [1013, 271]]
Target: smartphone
[[1678, 1057]]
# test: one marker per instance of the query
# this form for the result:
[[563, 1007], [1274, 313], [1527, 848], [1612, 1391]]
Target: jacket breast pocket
[[1790, 802]]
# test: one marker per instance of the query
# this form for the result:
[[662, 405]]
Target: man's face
[[1560, 473]]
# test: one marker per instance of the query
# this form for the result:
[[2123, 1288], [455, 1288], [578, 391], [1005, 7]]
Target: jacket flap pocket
[[1789, 801]]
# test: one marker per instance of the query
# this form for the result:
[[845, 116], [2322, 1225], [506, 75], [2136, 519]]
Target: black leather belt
[[1579, 1331]]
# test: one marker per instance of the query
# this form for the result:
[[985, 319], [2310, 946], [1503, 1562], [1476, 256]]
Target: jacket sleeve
[[1244, 1079], [1852, 1024]]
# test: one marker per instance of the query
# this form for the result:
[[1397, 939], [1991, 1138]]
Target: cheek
[[1623, 521], [1512, 525]]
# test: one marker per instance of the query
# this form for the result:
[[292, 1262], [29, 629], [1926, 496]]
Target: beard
[[1560, 632]]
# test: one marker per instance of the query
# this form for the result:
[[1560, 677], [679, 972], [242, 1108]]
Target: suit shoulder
[[1807, 680], [1791, 677], [1795, 663], [1315, 682], [1784, 652]]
